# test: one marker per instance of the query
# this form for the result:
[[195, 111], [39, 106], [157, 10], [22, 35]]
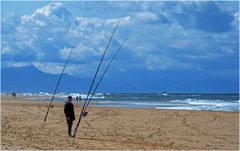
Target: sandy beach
[[115, 128]]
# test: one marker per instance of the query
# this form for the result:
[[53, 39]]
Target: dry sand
[[116, 128]]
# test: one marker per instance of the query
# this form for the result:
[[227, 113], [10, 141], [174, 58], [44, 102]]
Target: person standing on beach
[[69, 112]]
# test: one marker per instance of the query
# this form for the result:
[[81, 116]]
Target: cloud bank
[[162, 36]]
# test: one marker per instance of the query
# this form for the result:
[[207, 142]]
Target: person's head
[[69, 98]]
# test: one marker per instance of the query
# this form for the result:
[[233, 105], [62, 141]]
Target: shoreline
[[61, 103], [134, 104], [116, 128]]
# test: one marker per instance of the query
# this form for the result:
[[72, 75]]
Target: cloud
[[55, 11], [29, 39], [162, 35], [81, 52], [15, 64], [147, 17], [78, 70]]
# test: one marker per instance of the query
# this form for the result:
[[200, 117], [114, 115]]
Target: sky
[[189, 42]]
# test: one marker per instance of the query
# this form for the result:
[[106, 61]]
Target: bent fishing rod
[[95, 75], [50, 104], [106, 69]]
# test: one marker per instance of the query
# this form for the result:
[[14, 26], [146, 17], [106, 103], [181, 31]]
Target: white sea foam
[[152, 103], [209, 103], [59, 95], [104, 102], [177, 108], [82, 95]]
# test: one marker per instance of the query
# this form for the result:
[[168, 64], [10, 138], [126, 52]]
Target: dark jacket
[[69, 111]]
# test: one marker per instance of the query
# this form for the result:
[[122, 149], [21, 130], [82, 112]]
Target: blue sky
[[182, 40]]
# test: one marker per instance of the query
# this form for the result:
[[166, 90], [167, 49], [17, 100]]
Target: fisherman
[[69, 112]]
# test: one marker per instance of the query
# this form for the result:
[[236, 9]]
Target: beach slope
[[115, 128]]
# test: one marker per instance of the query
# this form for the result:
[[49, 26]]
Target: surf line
[[87, 100], [55, 90]]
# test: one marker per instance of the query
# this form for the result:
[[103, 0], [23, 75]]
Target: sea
[[172, 101]]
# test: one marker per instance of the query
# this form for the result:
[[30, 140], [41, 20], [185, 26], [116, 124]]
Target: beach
[[115, 128]]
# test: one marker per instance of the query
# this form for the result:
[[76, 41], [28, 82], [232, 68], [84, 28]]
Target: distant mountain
[[30, 79]]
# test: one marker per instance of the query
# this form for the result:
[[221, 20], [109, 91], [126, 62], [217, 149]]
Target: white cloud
[[49, 9], [31, 32], [125, 21], [56, 11], [81, 52], [15, 64], [147, 17], [79, 70], [40, 23], [52, 68], [48, 33]]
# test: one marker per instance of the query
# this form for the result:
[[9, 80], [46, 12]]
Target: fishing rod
[[89, 91], [94, 78], [106, 69], [50, 104], [95, 75], [104, 74]]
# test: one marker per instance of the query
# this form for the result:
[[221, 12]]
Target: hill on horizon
[[30, 79]]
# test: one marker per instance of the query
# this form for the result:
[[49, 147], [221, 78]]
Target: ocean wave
[[204, 102], [152, 103], [201, 108], [177, 108], [82, 95], [104, 102], [189, 100], [149, 100]]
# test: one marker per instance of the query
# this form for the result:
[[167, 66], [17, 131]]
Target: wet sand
[[115, 128]]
